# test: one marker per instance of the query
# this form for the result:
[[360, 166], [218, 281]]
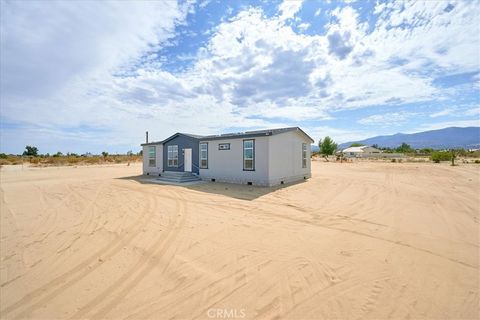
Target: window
[[204, 155], [224, 146], [151, 156], [304, 155], [249, 155], [172, 154]]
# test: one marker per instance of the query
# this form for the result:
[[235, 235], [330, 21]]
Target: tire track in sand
[[59, 284], [142, 268], [362, 234]]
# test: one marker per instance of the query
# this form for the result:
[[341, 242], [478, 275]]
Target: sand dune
[[357, 241]]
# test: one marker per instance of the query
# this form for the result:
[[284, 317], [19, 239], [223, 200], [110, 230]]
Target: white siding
[[285, 159], [159, 160], [227, 165], [277, 158]]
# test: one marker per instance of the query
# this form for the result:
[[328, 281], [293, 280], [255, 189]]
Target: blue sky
[[91, 76]]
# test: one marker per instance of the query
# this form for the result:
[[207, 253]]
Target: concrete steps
[[178, 177]]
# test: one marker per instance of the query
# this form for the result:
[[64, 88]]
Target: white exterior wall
[[285, 159], [277, 158], [227, 165], [371, 150], [365, 152], [159, 160]]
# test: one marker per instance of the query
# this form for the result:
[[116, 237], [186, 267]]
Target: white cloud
[[388, 119], [253, 72], [441, 113], [289, 8], [473, 111], [303, 26], [459, 111], [458, 123], [58, 60], [44, 48], [339, 135]]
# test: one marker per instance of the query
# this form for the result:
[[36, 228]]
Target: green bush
[[438, 156], [477, 161]]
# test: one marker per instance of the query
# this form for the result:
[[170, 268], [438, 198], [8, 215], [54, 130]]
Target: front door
[[187, 161]]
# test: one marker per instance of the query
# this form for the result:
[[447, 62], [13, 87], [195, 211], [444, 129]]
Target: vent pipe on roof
[[146, 137]]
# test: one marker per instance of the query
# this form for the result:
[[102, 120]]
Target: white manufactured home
[[264, 157], [362, 152]]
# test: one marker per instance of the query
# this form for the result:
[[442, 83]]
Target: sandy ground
[[357, 241]]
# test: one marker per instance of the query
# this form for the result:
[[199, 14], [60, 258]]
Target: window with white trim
[[249, 155], [204, 155], [152, 156], [172, 156], [304, 155]]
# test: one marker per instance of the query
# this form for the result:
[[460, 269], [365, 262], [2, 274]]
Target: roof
[[354, 149], [256, 133], [358, 149], [152, 143], [235, 135], [194, 136]]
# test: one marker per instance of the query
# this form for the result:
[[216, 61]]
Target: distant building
[[362, 152]]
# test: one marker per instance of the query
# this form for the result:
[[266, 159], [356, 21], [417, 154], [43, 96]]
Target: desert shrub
[[3, 156], [35, 160], [93, 160], [438, 156], [73, 160], [48, 160], [394, 160], [477, 161], [60, 160], [473, 154], [14, 160], [426, 151]]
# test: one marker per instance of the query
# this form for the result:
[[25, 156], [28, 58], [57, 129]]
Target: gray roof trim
[[194, 136], [256, 133], [181, 134], [305, 134]]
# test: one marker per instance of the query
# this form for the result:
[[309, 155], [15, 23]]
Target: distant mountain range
[[452, 137]]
